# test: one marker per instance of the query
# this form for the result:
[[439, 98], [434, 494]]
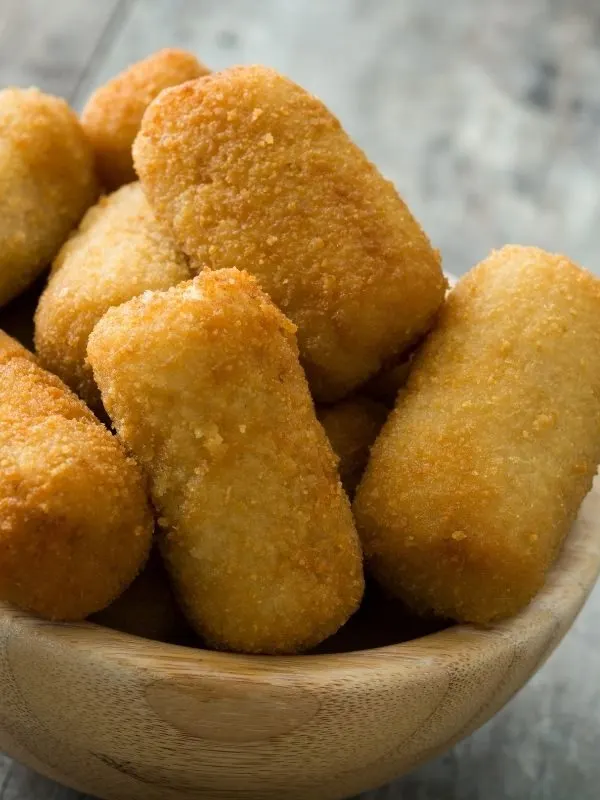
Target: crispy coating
[[352, 426], [117, 253], [479, 472], [112, 115], [46, 183], [147, 608], [75, 525], [204, 385], [10, 348], [251, 171]]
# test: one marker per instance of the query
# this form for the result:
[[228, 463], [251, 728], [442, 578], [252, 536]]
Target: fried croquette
[[117, 253], [75, 524], [147, 608], [204, 385], [112, 115], [251, 171], [47, 182], [352, 426], [479, 473]]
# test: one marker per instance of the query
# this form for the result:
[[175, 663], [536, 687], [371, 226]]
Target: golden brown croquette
[[251, 171], [112, 115], [117, 253], [480, 471], [47, 182], [75, 525], [204, 385]]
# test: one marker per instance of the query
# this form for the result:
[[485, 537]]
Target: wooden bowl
[[122, 717]]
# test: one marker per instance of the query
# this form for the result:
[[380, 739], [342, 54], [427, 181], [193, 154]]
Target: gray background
[[486, 114]]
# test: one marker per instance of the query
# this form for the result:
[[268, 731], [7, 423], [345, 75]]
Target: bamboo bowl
[[121, 717]]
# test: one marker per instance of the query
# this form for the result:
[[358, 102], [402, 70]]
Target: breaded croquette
[[480, 471], [117, 253], [352, 426], [147, 608], [204, 385], [251, 171], [112, 115], [75, 524], [47, 182]]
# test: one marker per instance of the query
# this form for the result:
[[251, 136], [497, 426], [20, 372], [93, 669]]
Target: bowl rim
[[547, 618]]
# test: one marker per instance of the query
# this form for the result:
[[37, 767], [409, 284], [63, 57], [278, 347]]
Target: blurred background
[[485, 113]]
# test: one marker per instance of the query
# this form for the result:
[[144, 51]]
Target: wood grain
[[118, 716]]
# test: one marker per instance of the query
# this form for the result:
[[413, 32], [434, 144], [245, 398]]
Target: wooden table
[[486, 115]]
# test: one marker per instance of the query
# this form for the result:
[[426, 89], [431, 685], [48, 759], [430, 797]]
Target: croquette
[[112, 115], [479, 472], [251, 171], [117, 253], [75, 523], [47, 182], [204, 385]]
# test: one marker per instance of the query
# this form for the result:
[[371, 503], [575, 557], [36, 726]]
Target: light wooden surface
[[128, 718], [486, 115]]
